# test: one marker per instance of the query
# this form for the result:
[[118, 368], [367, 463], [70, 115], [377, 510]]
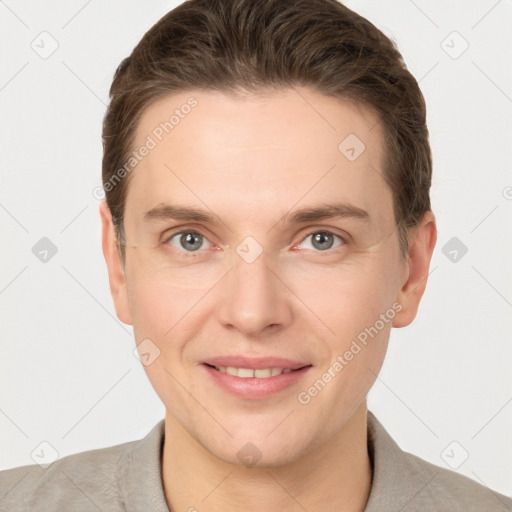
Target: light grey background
[[68, 374]]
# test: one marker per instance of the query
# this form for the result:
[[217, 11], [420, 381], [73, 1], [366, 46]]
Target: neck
[[335, 476]]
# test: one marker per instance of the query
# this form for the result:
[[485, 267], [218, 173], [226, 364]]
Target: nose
[[255, 300]]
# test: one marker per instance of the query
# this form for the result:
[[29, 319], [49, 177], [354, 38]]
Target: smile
[[254, 383], [247, 373]]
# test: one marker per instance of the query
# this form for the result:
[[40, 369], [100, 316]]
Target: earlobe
[[115, 267], [422, 240]]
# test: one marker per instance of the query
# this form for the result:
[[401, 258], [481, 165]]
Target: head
[[297, 131]]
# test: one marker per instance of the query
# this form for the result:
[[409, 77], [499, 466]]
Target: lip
[[254, 388], [256, 363]]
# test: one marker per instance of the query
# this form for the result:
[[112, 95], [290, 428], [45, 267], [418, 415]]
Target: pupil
[[322, 241]]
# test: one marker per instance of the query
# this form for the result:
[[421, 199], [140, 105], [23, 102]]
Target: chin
[[255, 455], [263, 451]]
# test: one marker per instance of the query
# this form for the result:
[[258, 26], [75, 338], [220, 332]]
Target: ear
[[115, 267], [422, 240]]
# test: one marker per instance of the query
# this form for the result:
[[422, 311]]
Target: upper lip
[[256, 363]]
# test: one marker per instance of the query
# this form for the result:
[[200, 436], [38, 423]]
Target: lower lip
[[253, 387]]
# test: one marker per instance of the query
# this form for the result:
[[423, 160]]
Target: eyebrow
[[166, 211]]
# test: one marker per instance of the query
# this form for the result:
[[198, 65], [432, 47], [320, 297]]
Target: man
[[267, 222]]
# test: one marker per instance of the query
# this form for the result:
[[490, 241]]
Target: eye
[[322, 240], [189, 241]]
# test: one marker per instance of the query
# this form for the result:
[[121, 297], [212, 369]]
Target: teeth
[[264, 374], [246, 373]]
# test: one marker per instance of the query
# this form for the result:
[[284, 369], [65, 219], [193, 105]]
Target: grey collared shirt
[[127, 477]]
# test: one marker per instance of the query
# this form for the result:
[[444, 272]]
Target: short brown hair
[[236, 46]]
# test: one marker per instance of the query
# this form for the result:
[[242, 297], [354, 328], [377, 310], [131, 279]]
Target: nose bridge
[[254, 298]]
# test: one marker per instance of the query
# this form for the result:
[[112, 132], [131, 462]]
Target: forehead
[[273, 149]]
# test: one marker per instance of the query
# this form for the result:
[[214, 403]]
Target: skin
[[252, 161]]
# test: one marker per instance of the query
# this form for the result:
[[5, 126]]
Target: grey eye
[[188, 240], [322, 240]]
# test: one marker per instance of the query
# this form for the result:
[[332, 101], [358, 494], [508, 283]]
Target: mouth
[[271, 377], [259, 373]]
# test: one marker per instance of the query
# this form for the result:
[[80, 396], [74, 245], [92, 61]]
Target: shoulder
[[403, 481], [76, 479], [91, 480], [446, 489]]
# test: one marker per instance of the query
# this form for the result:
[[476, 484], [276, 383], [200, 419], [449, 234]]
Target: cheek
[[353, 306], [160, 306], [359, 314], [161, 313], [361, 306], [347, 297]]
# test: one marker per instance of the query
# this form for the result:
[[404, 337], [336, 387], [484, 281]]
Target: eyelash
[[343, 240]]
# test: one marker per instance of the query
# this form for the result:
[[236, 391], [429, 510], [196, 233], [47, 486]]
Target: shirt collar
[[140, 480], [397, 479]]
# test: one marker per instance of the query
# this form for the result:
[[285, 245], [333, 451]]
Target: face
[[261, 237]]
